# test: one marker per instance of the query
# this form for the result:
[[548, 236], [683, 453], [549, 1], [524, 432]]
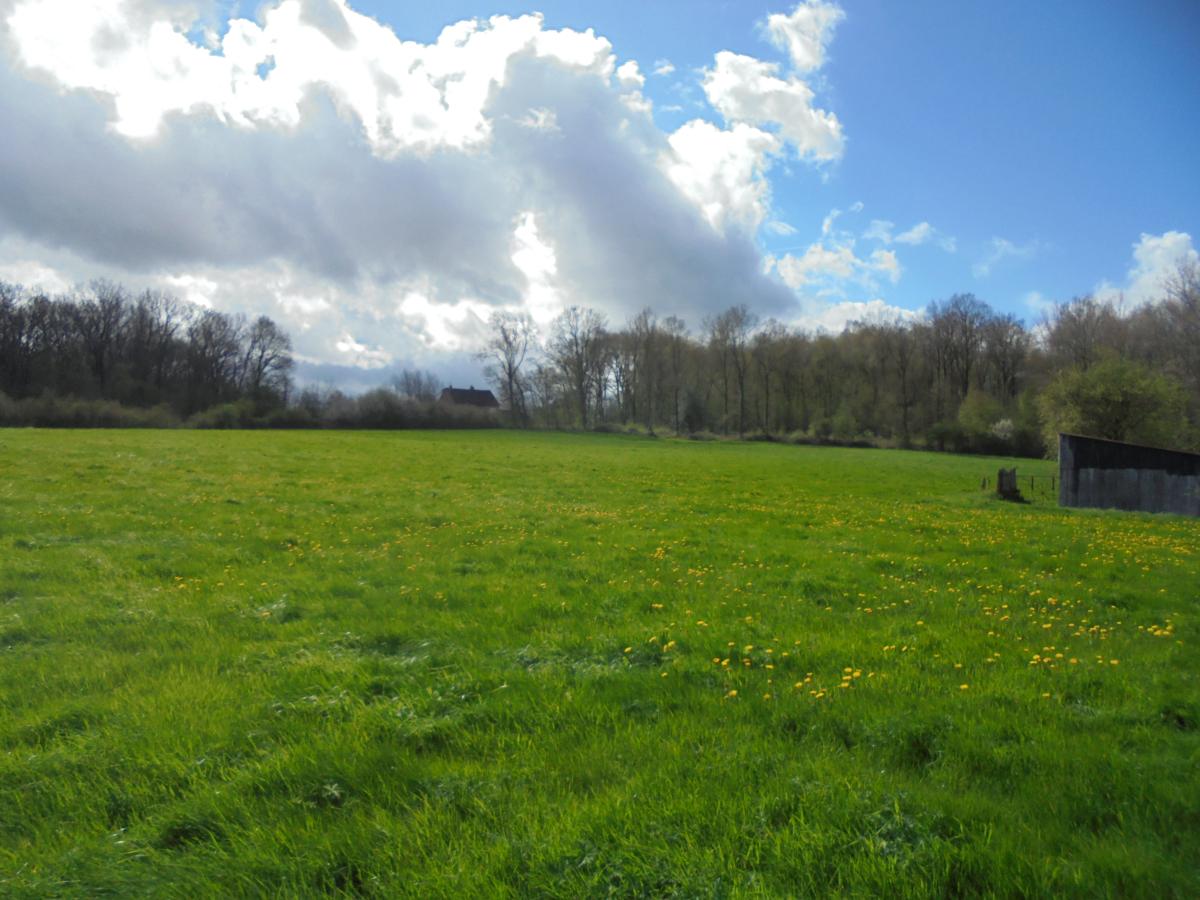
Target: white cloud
[[34, 274], [722, 171], [918, 234], [1155, 259], [461, 325], [360, 355], [193, 288], [539, 264], [378, 196], [1001, 249], [629, 76], [663, 67], [745, 89], [827, 270], [882, 230], [406, 95], [834, 317], [805, 32]]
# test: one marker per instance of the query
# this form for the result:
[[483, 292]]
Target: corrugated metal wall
[[1113, 475]]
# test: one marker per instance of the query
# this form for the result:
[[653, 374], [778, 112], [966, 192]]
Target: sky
[[380, 177]]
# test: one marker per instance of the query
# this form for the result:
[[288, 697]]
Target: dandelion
[[732, 693], [963, 687], [628, 649]]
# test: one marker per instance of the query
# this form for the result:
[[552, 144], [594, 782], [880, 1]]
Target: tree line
[[961, 377], [102, 343]]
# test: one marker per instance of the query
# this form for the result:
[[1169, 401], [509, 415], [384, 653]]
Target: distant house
[[1116, 475], [468, 397]]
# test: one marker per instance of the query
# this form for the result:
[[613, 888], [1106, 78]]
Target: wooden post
[[1006, 485]]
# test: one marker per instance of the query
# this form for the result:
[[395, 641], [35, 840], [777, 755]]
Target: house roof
[[469, 397]]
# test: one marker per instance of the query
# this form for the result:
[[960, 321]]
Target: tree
[[416, 385], [214, 354], [958, 332], [898, 346], [729, 334], [266, 362], [676, 336], [505, 353], [1006, 344], [576, 336], [1076, 332], [1182, 311], [766, 350], [648, 363], [1116, 399]]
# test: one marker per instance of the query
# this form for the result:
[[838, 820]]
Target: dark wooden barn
[[469, 397], [1115, 475]]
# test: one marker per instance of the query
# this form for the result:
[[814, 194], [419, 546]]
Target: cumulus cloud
[[663, 67], [805, 32], [1155, 259], [376, 196], [749, 90], [829, 270], [722, 171], [406, 95]]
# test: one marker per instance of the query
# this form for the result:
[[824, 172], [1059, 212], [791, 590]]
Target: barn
[[483, 399], [1115, 475]]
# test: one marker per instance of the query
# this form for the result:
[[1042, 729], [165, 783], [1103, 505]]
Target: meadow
[[505, 664]]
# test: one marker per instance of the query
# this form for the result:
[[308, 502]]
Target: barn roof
[[469, 397]]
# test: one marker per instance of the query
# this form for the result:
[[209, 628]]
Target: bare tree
[[1182, 311], [266, 361], [1006, 344], [416, 384], [676, 337], [576, 336], [646, 339], [729, 334], [957, 326], [505, 353], [766, 350]]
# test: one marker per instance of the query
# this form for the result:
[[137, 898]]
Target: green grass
[[497, 664]]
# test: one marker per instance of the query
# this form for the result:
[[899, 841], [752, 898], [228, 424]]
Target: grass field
[[500, 664]]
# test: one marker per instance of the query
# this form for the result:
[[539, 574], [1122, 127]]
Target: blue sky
[[380, 188]]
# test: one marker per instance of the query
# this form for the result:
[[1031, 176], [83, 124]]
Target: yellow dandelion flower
[[963, 687]]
